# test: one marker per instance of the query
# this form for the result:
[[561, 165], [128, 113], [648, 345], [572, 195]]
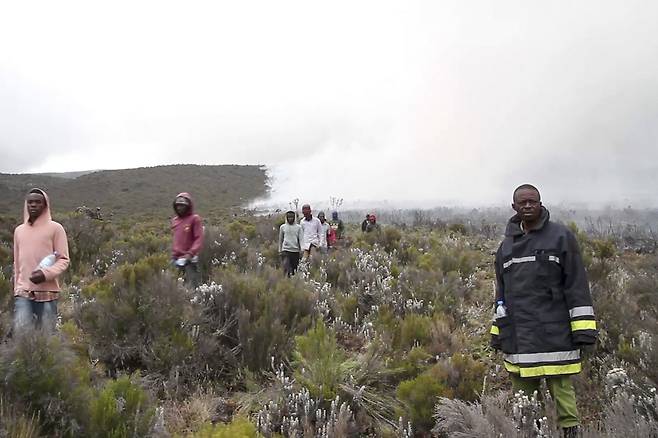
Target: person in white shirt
[[312, 230], [291, 237], [326, 227]]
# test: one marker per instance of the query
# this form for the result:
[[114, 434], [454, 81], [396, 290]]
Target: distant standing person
[[187, 239], [365, 223], [337, 225], [312, 230], [291, 238], [41, 255], [544, 312], [372, 224], [325, 234]]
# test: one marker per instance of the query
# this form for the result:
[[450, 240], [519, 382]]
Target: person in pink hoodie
[[41, 255], [187, 233]]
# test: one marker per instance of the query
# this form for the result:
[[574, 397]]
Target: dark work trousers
[[290, 262]]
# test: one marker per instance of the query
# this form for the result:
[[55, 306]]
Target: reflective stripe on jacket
[[541, 279]]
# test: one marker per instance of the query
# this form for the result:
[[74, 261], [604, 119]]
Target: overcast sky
[[436, 101]]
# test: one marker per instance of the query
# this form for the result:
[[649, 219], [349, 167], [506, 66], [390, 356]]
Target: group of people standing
[[297, 239], [370, 224], [544, 314]]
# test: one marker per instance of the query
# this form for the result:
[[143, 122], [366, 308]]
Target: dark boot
[[571, 432]]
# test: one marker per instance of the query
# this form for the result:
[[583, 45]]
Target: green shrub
[[320, 364], [458, 377], [88, 241], [391, 239], [421, 394], [241, 228], [238, 428], [267, 310], [414, 362], [414, 330], [43, 375], [122, 409], [138, 320]]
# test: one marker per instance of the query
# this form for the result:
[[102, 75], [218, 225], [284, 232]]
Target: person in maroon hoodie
[[187, 232]]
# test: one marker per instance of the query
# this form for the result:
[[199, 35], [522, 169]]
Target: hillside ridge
[[141, 190]]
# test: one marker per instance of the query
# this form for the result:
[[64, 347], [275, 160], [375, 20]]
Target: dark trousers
[[290, 262], [191, 273]]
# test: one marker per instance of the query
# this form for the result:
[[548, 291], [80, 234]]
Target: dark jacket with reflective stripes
[[541, 279]]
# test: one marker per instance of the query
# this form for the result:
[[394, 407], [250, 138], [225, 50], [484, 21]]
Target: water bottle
[[501, 311], [48, 260]]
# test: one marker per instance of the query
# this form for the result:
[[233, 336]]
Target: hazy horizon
[[278, 200], [416, 103]]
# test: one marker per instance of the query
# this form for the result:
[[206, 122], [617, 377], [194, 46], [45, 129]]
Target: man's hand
[[37, 276]]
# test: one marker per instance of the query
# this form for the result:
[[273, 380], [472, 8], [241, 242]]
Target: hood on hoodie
[[189, 198], [46, 216]]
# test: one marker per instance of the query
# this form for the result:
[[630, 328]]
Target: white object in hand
[[48, 260], [181, 262], [501, 311]]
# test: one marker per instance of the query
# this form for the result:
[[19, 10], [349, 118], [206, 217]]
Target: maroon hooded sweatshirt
[[187, 232]]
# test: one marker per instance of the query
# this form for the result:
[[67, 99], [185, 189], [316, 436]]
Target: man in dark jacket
[[544, 311]]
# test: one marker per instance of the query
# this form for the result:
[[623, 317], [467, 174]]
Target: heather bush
[[320, 364], [263, 313], [414, 330], [457, 377], [88, 241], [121, 409], [138, 319], [238, 428], [420, 394], [43, 376]]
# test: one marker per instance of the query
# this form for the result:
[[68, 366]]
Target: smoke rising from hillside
[[410, 102]]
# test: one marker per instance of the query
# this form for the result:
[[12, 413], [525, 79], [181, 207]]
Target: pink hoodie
[[187, 232], [34, 241]]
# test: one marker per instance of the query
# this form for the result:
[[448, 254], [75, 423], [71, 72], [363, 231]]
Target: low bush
[[43, 376], [238, 428], [122, 409]]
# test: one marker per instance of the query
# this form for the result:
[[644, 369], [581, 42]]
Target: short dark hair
[[37, 191], [523, 187]]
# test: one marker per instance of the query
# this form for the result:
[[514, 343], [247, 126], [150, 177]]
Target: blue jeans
[[29, 314]]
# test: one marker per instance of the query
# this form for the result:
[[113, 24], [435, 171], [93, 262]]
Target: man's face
[[527, 205], [36, 204], [290, 218], [321, 217], [306, 211], [371, 219], [181, 206]]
